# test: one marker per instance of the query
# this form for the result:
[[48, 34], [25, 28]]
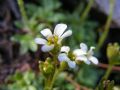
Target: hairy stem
[[108, 72], [105, 77], [107, 26], [86, 11], [50, 81], [22, 11], [52, 77]]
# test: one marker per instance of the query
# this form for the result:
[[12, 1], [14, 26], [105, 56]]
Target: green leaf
[[88, 76], [69, 87], [31, 87], [31, 9], [50, 4], [40, 27], [28, 77], [56, 17], [33, 46], [24, 47], [19, 24]]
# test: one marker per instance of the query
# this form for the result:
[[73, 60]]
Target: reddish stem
[[105, 66]]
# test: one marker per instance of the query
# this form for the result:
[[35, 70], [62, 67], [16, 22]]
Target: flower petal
[[88, 62], [65, 49], [59, 29], [84, 47], [90, 52], [66, 34], [59, 41], [71, 64], [62, 57], [82, 58], [93, 60], [40, 41], [78, 52], [47, 48], [46, 32]]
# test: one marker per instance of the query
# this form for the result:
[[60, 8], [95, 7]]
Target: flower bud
[[48, 60], [113, 53], [48, 69], [63, 65], [41, 64]]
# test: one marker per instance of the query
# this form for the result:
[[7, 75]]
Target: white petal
[[65, 49], [47, 48], [78, 52], [59, 41], [40, 41], [88, 62], [46, 32], [59, 29], [84, 47], [71, 64], [90, 52], [93, 60], [82, 58], [66, 34], [62, 57]]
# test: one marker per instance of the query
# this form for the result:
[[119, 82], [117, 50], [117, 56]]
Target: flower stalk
[[105, 77], [50, 81], [86, 11], [107, 26], [22, 11]]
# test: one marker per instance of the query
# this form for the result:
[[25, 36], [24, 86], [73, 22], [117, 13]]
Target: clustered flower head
[[64, 54]]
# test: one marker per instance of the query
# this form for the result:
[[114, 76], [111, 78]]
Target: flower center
[[71, 56], [52, 40]]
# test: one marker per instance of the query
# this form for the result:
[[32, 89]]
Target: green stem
[[107, 26], [22, 11], [47, 83], [54, 78], [105, 77], [108, 72], [86, 11], [50, 81]]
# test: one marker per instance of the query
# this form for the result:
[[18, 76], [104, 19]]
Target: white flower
[[65, 49], [85, 55], [52, 39], [63, 56]]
